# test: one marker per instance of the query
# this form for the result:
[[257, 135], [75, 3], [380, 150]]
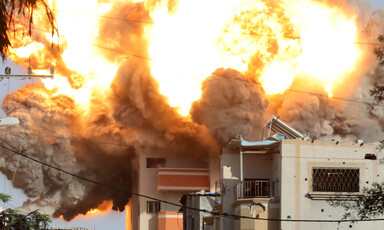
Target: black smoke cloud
[[103, 143], [49, 131]]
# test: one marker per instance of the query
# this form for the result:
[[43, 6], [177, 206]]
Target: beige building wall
[[255, 166], [298, 201], [290, 168], [230, 176], [147, 185]]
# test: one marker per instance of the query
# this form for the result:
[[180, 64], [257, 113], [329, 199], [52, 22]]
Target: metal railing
[[253, 189]]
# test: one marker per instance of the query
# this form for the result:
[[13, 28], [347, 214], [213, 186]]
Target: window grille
[[153, 206], [335, 179]]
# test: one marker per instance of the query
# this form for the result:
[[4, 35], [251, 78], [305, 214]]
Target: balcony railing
[[253, 189]]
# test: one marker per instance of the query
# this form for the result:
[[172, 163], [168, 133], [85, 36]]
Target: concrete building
[[293, 179], [193, 218], [167, 177], [284, 177]]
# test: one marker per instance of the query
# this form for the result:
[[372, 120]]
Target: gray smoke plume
[[49, 130], [103, 144], [99, 146], [231, 105], [348, 120]]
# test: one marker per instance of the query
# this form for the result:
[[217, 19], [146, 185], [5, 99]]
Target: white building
[[280, 182], [272, 180], [193, 218], [292, 179], [167, 177]]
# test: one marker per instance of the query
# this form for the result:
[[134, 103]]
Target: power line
[[293, 90], [226, 215], [102, 47], [337, 98], [86, 179], [152, 147], [118, 51], [225, 31], [105, 17], [165, 148], [369, 43], [92, 141], [310, 93]]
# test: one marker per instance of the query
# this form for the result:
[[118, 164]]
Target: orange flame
[[52, 140], [102, 208], [77, 34], [273, 41], [128, 215]]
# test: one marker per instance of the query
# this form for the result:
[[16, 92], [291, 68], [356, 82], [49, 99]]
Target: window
[[330, 179], [156, 162], [153, 206]]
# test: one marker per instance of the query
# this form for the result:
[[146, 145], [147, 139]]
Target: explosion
[[270, 41], [188, 74]]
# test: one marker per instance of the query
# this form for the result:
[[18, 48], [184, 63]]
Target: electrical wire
[[105, 17], [84, 178], [118, 51], [103, 47], [337, 98], [311, 93], [145, 22], [92, 141], [170, 203], [25, 97], [153, 147], [225, 215]]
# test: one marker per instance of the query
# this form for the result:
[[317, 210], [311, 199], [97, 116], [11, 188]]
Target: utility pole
[[8, 121], [7, 74]]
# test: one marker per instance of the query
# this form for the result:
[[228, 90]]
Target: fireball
[[271, 41]]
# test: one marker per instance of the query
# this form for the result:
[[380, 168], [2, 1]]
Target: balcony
[[258, 188]]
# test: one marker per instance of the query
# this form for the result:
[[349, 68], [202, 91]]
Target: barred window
[[327, 179], [153, 206]]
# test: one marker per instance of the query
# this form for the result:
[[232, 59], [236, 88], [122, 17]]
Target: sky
[[111, 220], [375, 4], [106, 221]]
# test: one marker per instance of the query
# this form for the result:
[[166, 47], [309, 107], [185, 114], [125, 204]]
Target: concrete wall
[[194, 219], [214, 172], [257, 208], [147, 185], [298, 158], [230, 177], [257, 166]]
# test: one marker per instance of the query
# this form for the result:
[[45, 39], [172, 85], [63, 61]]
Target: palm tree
[[9, 9]]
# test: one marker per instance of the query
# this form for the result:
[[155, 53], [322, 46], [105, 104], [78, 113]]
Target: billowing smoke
[[230, 106], [348, 120], [103, 142], [50, 130]]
